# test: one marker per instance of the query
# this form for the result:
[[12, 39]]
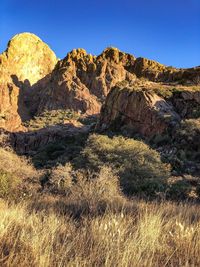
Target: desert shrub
[[95, 192], [179, 189], [83, 192], [4, 139], [8, 184], [61, 178], [187, 138], [189, 128], [61, 151], [160, 139], [140, 168]]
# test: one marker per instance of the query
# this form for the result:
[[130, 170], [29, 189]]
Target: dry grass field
[[136, 234], [80, 218]]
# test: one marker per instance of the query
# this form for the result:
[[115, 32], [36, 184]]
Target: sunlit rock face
[[81, 81], [26, 60]]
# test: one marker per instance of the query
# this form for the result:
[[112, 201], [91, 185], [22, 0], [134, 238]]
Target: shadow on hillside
[[29, 96], [51, 144], [22, 109], [47, 147], [78, 208]]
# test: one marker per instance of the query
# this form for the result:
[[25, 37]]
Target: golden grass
[[19, 166], [145, 234], [18, 177], [90, 223]]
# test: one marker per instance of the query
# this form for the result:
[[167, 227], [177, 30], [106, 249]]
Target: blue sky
[[164, 30]]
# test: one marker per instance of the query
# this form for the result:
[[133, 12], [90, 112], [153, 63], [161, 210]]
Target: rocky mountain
[[32, 80]]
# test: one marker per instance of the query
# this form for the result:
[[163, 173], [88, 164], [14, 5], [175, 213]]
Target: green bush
[[140, 168]]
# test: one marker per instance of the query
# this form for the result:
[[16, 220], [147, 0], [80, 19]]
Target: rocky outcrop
[[136, 111], [81, 81], [187, 103], [157, 72], [26, 60], [28, 143]]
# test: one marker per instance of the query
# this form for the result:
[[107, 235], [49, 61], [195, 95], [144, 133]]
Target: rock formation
[[32, 80], [26, 60], [136, 111], [157, 72], [29, 142], [81, 81]]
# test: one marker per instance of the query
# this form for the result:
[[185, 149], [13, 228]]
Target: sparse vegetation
[[18, 178], [50, 118]]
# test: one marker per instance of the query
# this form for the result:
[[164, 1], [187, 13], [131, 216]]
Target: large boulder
[[26, 60], [136, 111]]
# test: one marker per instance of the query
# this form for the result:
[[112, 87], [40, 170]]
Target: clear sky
[[167, 31]]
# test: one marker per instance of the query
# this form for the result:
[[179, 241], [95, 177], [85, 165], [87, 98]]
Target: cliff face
[[26, 60], [136, 111]]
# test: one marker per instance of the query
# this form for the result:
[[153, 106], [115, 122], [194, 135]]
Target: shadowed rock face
[[26, 60], [135, 111], [187, 103]]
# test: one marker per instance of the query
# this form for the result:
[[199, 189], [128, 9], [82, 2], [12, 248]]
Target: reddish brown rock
[[136, 111], [81, 81], [157, 72], [31, 81]]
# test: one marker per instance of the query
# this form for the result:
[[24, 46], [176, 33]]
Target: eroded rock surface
[[29, 142], [136, 111], [81, 81]]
